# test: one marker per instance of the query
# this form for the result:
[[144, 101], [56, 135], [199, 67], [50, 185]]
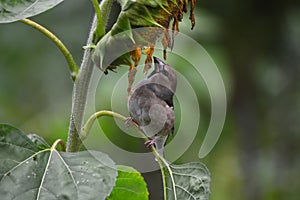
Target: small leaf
[[11, 11], [190, 180], [26, 172], [129, 185]]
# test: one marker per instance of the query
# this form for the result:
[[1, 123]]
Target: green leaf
[[38, 141], [26, 172], [129, 185], [114, 48], [190, 180], [15, 10]]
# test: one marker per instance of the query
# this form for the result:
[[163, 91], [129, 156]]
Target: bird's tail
[[159, 144]]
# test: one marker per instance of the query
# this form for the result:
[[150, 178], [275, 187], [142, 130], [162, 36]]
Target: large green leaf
[[188, 181], [129, 185], [29, 172], [15, 10]]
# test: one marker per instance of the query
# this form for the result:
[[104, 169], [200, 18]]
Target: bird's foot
[[129, 121], [150, 143]]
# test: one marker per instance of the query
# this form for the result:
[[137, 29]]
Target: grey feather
[[150, 103]]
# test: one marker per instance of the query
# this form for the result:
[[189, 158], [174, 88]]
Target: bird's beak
[[159, 64]]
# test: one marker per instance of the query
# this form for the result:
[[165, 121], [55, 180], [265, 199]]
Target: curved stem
[[89, 123], [165, 163], [161, 161], [59, 142], [71, 62]]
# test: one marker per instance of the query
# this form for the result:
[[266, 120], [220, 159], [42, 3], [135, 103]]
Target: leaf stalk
[[161, 161], [70, 60]]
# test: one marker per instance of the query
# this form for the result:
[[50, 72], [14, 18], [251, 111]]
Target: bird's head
[[163, 74]]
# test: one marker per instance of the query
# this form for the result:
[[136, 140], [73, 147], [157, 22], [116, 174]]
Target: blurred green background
[[255, 45]]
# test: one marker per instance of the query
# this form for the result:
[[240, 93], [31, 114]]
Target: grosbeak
[[150, 104]]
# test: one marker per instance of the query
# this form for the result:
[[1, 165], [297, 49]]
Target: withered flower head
[[138, 27]]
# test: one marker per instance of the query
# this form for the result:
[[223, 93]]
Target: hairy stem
[[79, 98], [71, 62], [82, 83]]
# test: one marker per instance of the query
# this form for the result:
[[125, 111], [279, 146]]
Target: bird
[[151, 107]]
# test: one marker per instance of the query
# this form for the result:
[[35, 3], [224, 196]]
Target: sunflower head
[[138, 27]]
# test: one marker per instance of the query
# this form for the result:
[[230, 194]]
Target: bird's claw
[[150, 143], [129, 121]]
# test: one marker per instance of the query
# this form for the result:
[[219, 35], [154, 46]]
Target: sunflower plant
[[30, 168]]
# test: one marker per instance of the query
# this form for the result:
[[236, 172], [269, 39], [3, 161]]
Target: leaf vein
[[71, 174], [127, 189], [182, 188]]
